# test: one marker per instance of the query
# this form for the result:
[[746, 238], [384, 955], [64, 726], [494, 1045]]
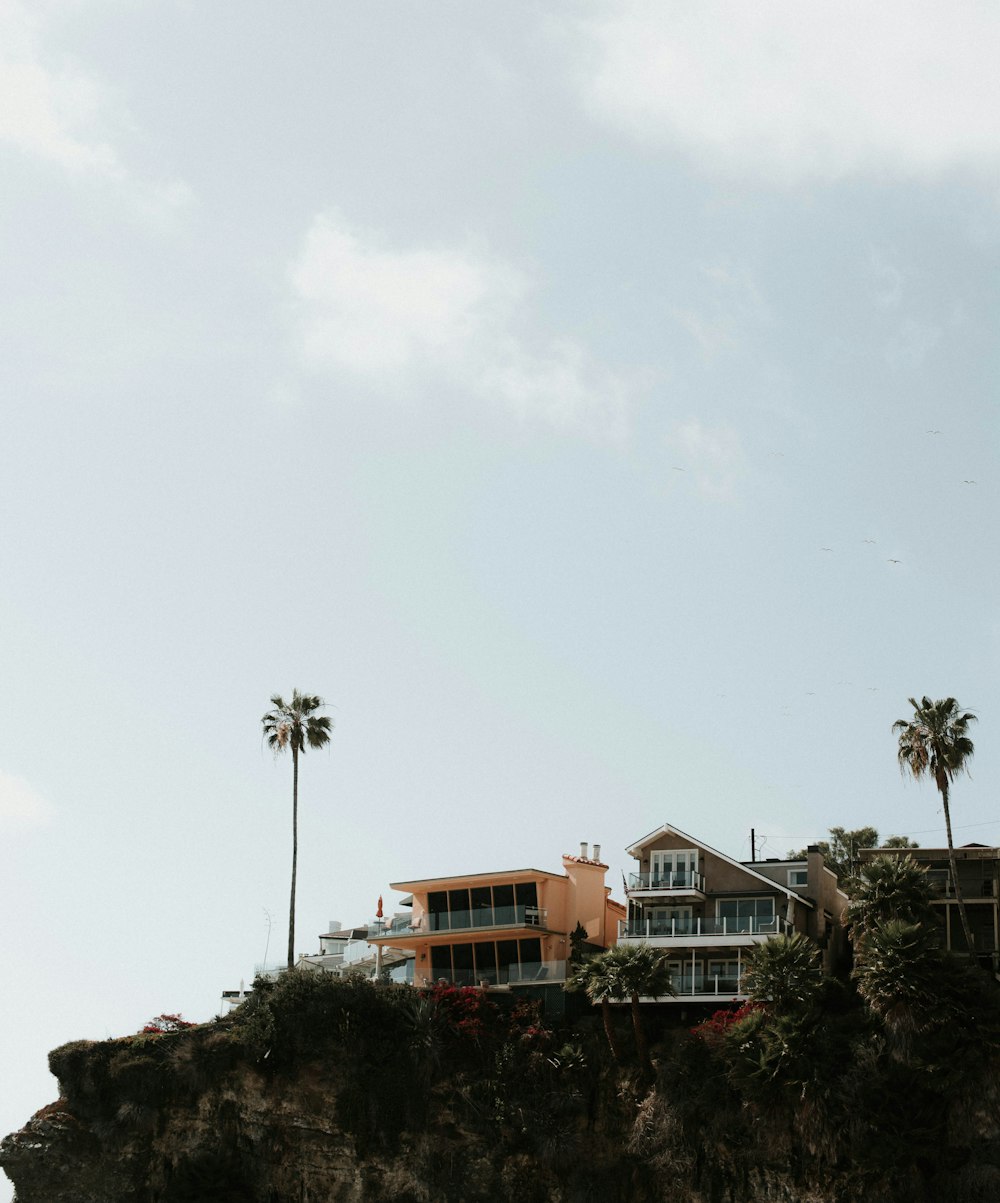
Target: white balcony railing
[[683, 929], [681, 879]]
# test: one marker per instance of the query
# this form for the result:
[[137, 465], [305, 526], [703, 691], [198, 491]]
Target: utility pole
[[753, 843]]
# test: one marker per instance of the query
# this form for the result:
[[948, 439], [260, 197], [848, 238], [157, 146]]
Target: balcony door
[[670, 920], [673, 867]]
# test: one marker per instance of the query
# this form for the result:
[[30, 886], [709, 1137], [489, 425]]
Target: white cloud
[[20, 805], [58, 112], [713, 455], [888, 279], [400, 319], [732, 306], [787, 92]]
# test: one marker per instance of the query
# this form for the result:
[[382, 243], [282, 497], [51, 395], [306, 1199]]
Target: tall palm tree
[[935, 743], [295, 725], [639, 971]]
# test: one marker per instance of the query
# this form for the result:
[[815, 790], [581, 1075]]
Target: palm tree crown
[[295, 725], [889, 887], [935, 743]]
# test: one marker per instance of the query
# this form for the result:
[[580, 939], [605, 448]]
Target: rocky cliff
[[321, 1091]]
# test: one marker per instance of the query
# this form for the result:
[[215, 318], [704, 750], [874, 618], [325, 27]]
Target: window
[[747, 914], [724, 976], [669, 920], [798, 877], [673, 867]]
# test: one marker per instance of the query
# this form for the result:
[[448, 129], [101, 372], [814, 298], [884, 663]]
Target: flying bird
[[934, 432], [826, 549], [676, 469], [895, 561], [869, 540], [968, 482]]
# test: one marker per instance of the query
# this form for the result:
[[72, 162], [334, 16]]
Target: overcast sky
[[595, 402]]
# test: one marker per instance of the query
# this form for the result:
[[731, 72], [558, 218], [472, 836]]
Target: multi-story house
[[342, 951], [345, 950], [978, 873], [706, 910], [502, 929]]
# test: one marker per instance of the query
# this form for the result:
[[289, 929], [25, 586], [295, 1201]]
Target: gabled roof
[[667, 829]]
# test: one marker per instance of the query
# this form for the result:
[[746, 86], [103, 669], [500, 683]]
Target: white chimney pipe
[[583, 850], [597, 852]]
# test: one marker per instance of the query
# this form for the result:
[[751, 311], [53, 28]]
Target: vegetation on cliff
[[881, 1088]]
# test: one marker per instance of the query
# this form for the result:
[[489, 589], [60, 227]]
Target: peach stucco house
[[505, 928]]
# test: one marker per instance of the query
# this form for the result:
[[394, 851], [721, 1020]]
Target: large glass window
[[458, 906], [437, 910], [723, 976], [506, 953], [673, 866], [669, 920], [464, 967], [747, 914], [489, 961], [482, 906], [486, 962], [503, 903]]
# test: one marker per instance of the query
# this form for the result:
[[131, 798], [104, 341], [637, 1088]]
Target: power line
[[922, 831]]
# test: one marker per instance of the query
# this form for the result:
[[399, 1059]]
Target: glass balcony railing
[[684, 928], [487, 916], [682, 879], [687, 984], [527, 973]]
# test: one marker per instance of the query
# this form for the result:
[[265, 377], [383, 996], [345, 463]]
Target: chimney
[[597, 852], [583, 850]]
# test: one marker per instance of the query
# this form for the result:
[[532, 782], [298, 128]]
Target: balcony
[[528, 973], [973, 889], [706, 932], [481, 919], [701, 985], [682, 883]]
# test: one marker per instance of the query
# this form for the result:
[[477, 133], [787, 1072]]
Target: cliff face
[[243, 1139], [332, 1092], [319, 1091], [255, 1137]]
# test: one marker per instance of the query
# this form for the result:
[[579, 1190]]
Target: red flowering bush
[[166, 1023], [466, 1010], [719, 1022]]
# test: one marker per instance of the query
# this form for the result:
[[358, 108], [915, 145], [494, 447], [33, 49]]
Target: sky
[[594, 402]]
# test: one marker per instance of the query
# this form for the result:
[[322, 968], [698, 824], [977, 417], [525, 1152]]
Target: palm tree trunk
[[943, 787], [609, 1030], [295, 853], [641, 1045]]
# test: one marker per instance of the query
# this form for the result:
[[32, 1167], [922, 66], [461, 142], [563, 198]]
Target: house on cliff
[[978, 867], [503, 929], [706, 910]]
